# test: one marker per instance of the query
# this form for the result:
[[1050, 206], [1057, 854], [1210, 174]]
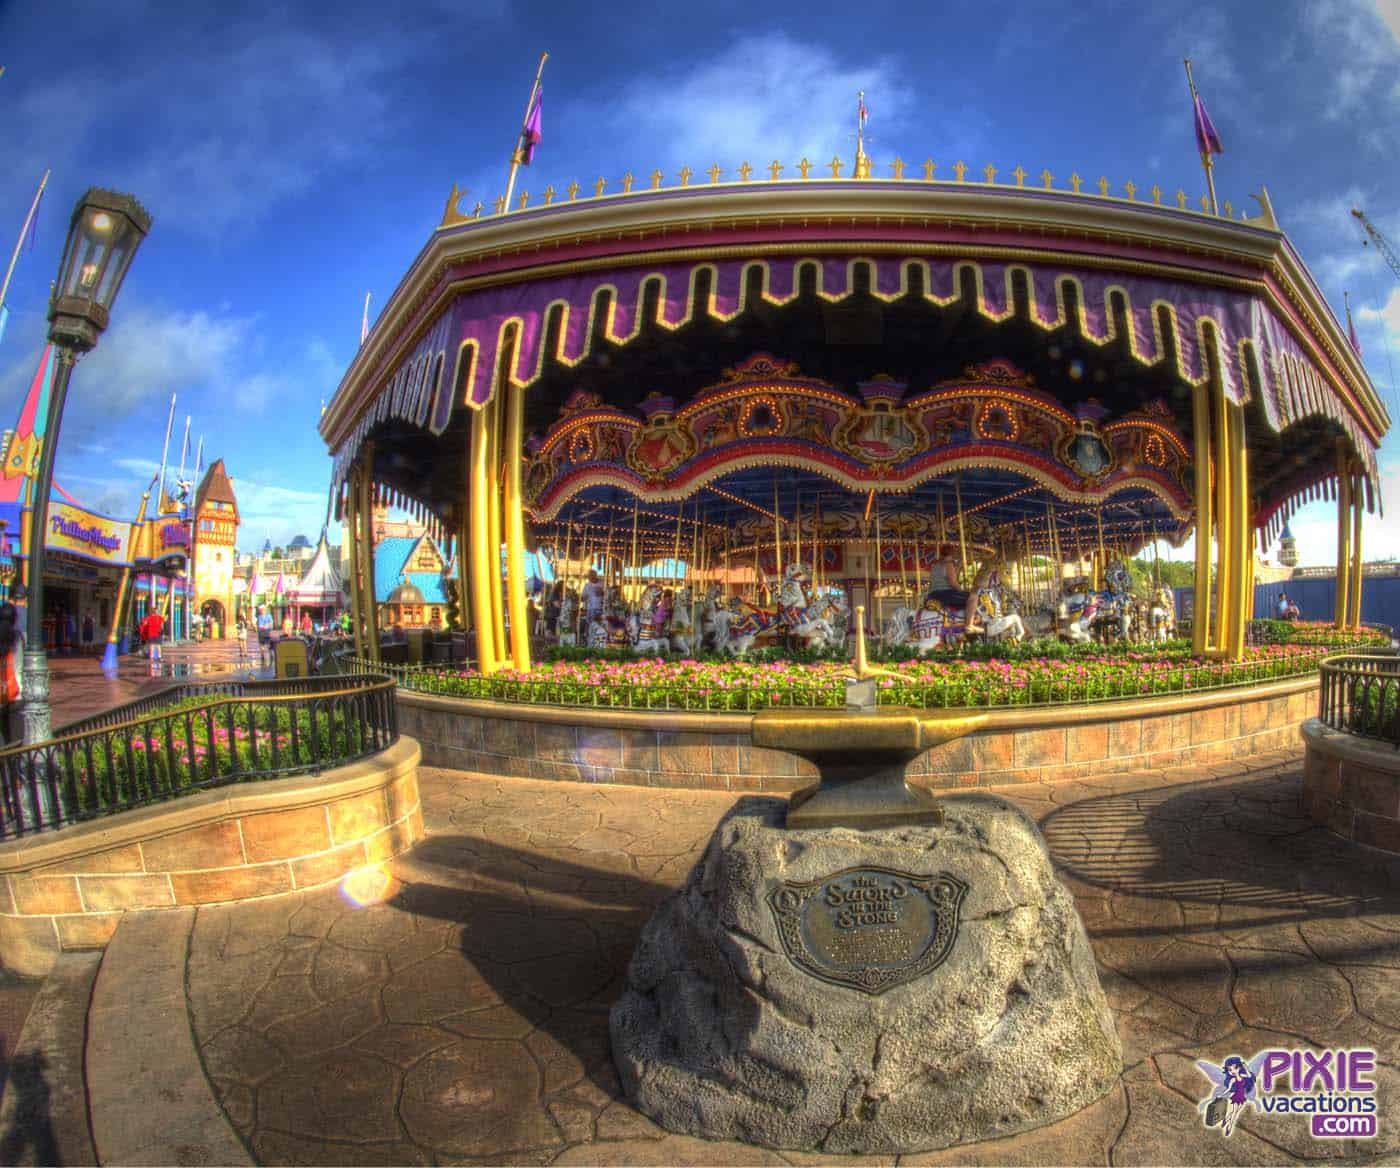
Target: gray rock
[[720, 1034]]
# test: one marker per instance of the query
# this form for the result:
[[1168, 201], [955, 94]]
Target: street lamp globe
[[105, 231]]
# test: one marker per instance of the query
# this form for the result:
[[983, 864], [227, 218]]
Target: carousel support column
[[1354, 582], [1226, 580], [368, 599], [1343, 540], [493, 522], [1201, 640], [1241, 548], [515, 527], [483, 579], [352, 505]]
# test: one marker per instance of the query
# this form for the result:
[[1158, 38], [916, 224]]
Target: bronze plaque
[[868, 928]]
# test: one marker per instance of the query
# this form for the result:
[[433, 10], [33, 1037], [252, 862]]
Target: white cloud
[[764, 97], [1361, 39], [276, 513]]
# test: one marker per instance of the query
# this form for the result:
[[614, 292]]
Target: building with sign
[[214, 554]]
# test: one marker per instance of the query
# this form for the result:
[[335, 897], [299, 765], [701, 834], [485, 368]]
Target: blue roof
[[430, 585], [1287, 532], [390, 555]]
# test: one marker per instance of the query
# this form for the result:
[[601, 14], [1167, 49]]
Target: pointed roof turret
[[216, 487]]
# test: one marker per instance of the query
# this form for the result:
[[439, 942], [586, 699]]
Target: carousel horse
[[742, 629], [928, 628], [1081, 612], [714, 618], [682, 631], [646, 639], [568, 617], [802, 619], [988, 609], [1161, 616]]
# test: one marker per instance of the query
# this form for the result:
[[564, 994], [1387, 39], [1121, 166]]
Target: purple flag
[[530, 136], [1351, 334], [1207, 140]]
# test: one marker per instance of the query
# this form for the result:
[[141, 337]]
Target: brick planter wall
[[68, 889], [716, 751], [1352, 786]]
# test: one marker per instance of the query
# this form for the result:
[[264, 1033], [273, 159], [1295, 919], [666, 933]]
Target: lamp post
[[103, 235]]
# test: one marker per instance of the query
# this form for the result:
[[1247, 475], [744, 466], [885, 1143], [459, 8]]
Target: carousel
[[813, 410]]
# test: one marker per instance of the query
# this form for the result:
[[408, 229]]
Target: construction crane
[[1382, 244]]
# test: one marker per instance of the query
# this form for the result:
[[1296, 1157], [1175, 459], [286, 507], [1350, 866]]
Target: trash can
[[290, 657]]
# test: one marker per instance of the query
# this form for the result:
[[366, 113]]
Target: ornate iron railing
[[1361, 695], [190, 738]]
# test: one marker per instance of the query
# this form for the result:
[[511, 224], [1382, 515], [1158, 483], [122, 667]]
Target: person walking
[[264, 630], [151, 629], [11, 653], [89, 631]]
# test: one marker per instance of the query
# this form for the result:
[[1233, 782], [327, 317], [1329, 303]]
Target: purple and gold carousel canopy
[[1159, 283]]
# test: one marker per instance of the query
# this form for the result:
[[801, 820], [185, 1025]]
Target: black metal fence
[[1361, 695], [191, 738]]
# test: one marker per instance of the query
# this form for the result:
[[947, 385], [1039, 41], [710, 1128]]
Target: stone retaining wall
[[716, 751], [68, 889], [1352, 786]]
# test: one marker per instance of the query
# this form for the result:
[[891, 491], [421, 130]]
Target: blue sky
[[296, 159]]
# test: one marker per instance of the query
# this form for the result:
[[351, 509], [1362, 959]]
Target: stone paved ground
[[463, 1019]]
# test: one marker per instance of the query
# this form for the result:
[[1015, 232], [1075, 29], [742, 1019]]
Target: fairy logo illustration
[[1234, 1082]]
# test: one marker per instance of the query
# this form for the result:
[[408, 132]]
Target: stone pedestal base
[[842, 991]]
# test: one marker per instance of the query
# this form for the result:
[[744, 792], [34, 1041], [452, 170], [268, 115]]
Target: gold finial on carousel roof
[[627, 180], [898, 167], [476, 211], [1103, 187], [656, 176], [684, 175], [1020, 175], [835, 166], [573, 189], [1047, 180], [1076, 182], [929, 167], [991, 172], [1157, 194], [1229, 210], [1205, 204], [1131, 188], [714, 172], [1181, 198], [500, 204], [450, 214], [524, 199], [744, 171], [959, 169], [804, 166], [549, 194], [775, 168]]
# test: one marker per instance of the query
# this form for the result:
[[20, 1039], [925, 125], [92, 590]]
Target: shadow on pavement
[[31, 1128], [1243, 845], [551, 938]]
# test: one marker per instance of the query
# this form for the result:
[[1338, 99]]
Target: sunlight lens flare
[[363, 887]]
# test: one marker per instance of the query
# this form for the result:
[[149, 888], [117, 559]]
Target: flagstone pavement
[[463, 1017]]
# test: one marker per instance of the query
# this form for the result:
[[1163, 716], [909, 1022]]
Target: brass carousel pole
[[1343, 537], [352, 508], [777, 534], [1226, 582], [879, 573], [368, 598], [1242, 533], [493, 524]]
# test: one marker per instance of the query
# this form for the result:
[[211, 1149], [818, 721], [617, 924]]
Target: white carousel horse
[[713, 614], [802, 620], [926, 629], [1161, 617], [568, 617], [742, 628], [646, 639], [988, 610], [683, 639], [1080, 611]]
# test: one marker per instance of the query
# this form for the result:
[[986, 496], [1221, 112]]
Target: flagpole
[[364, 321], [164, 451], [518, 156], [23, 231], [1205, 154], [184, 451]]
